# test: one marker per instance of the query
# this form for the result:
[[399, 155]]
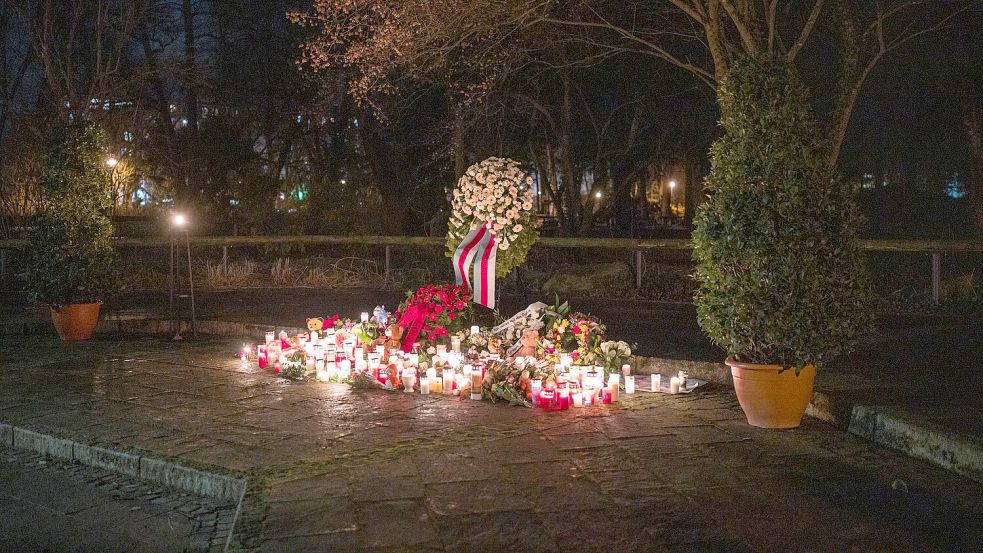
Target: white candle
[[365, 317], [626, 369], [475, 330], [656, 382], [674, 385], [425, 385], [448, 380], [344, 369], [578, 399], [322, 375], [629, 384], [270, 335], [456, 344], [614, 384]]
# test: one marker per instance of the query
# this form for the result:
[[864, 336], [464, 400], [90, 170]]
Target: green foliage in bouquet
[[779, 267], [71, 258]]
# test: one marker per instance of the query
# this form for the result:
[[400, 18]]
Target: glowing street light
[[672, 184], [178, 220], [598, 195], [111, 162]]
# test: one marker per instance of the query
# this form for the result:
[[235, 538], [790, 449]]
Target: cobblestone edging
[[224, 488], [900, 430], [152, 508]]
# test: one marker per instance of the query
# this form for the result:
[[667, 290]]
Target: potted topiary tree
[[71, 263], [782, 286]]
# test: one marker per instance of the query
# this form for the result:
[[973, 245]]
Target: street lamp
[[178, 223], [598, 195]]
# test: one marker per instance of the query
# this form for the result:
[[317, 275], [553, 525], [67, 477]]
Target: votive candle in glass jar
[[577, 398], [656, 382], [625, 369], [456, 344], [365, 317], [674, 385], [630, 384], [270, 336], [537, 386], [476, 383], [614, 384], [606, 396], [425, 385], [447, 375], [475, 330], [409, 379]]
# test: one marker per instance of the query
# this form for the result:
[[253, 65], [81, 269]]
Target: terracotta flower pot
[[771, 397], [77, 321]]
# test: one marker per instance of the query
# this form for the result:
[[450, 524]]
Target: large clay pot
[[772, 397], [76, 321]]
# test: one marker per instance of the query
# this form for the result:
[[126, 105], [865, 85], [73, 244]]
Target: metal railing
[[638, 246]]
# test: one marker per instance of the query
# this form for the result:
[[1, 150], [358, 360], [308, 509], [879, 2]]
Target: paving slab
[[331, 468]]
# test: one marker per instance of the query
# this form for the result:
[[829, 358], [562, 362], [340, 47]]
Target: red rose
[[439, 309], [433, 316], [451, 316]]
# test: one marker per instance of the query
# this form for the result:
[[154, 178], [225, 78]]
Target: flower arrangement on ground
[[579, 335], [495, 192], [434, 312]]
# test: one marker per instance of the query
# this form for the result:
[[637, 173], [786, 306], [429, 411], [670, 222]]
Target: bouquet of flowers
[[296, 366], [445, 309], [614, 355], [579, 335], [495, 192]]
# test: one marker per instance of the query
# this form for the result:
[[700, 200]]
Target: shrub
[[71, 258], [778, 263]]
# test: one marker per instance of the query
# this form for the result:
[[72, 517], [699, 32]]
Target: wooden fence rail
[[639, 246]]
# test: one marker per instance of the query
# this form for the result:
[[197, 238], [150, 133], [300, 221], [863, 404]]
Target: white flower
[[527, 205], [517, 228]]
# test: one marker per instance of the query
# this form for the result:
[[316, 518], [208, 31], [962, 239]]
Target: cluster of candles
[[330, 357]]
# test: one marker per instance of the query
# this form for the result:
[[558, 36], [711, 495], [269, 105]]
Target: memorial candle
[[578, 398], [456, 344], [563, 395], [270, 335], [448, 381], [475, 329], [537, 386], [476, 383], [630, 384], [674, 385], [425, 385], [656, 382], [365, 317], [614, 385]]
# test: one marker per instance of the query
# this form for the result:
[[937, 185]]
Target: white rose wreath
[[495, 192]]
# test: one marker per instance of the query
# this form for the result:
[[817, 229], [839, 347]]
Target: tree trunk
[[570, 183], [973, 127], [460, 146], [190, 65]]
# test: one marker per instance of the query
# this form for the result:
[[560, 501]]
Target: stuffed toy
[[315, 324]]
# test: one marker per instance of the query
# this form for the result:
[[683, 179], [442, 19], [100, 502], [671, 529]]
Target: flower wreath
[[495, 192]]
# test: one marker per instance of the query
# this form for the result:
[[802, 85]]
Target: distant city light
[[343, 181], [111, 161]]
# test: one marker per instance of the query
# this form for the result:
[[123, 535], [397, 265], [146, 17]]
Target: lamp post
[[179, 223]]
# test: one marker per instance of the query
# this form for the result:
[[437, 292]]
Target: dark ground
[[332, 468]]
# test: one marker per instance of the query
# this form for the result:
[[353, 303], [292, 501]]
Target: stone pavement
[[335, 469], [51, 505]]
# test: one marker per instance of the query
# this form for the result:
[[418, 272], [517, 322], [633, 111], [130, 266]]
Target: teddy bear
[[315, 324]]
